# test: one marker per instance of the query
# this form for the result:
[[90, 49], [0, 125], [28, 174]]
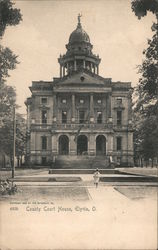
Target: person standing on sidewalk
[[96, 177]]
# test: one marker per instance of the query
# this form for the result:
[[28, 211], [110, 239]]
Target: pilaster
[[63, 70], [54, 145], [92, 145], [110, 144], [73, 145], [75, 66], [54, 108], [91, 108], [97, 70], [109, 108], [73, 107], [60, 71], [84, 64]]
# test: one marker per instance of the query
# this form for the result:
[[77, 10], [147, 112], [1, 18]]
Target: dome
[[79, 35]]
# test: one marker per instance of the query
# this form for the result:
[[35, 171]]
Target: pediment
[[83, 79]]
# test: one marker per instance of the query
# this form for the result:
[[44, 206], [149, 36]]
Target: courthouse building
[[80, 113]]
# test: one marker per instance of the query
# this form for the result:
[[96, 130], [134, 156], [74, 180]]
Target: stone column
[[91, 108], [63, 70], [84, 64], [91, 66], [67, 65], [75, 66], [97, 70], [129, 106], [94, 68], [73, 108], [54, 108], [109, 106], [60, 71]]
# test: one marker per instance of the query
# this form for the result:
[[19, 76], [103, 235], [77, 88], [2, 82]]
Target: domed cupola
[[79, 35], [79, 41], [79, 53]]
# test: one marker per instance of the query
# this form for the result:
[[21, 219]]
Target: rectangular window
[[81, 101], [44, 100], [119, 101], [44, 160], [119, 117], [99, 101], [64, 117], [119, 143], [44, 142], [81, 116], [99, 117], [44, 116], [64, 101]]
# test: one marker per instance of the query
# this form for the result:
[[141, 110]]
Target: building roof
[[79, 35]]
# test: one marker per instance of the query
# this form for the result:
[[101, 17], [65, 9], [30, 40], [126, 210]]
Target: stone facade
[[79, 113]]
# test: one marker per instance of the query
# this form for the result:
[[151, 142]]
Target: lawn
[[48, 193], [20, 172], [138, 192], [141, 171]]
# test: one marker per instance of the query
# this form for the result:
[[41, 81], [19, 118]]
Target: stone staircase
[[81, 162]]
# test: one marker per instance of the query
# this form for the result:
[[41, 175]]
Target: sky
[[115, 32]]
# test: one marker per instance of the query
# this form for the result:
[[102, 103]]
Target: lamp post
[[14, 138]]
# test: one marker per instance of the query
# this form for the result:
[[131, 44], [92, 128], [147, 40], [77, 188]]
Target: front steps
[[81, 162]]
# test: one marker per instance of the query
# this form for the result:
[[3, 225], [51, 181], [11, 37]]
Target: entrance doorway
[[100, 145], [63, 145], [82, 145]]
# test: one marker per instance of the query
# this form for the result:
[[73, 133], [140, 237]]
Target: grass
[[138, 192], [4, 174], [48, 193], [141, 171]]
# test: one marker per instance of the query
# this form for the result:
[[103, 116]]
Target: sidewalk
[[45, 179], [141, 171]]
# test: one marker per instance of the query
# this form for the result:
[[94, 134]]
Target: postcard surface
[[72, 182]]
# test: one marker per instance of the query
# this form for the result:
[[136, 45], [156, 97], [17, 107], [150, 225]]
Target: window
[[119, 101], [99, 117], [119, 117], [44, 100], [44, 142], [44, 160], [44, 116], [119, 143], [81, 116], [64, 117], [81, 101], [99, 101], [63, 101]]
